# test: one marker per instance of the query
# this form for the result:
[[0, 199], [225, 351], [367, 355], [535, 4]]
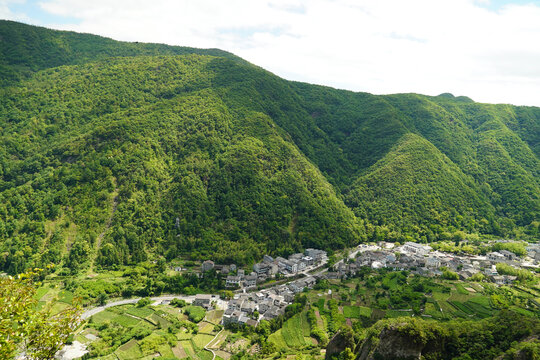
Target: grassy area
[[278, 340], [129, 350], [356, 312], [139, 312], [188, 348], [125, 320], [41, 292], [214, 316], [200, 340]]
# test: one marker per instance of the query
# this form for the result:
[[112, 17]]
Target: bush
[[450, 275], [144, 302], [195, 313], [178, 303]]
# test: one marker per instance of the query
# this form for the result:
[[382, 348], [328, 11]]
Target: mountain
[[114, 153]]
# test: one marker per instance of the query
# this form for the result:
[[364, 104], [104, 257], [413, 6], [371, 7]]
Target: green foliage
[[485, 339], [144, 302], [178, 303], [195, 313], [517, 248], [450, 275], [522, 274], [39, 334]]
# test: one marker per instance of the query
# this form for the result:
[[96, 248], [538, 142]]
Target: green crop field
[[139, 312], [159, 320], [200, 340], [278, 340], [432, 310], [293, 333], [188, 347], [103, 316], [351, 312], [129, 350], [125, 320], [458, 296], [461, 289], [356, 312], [158, 332], [397, 313]]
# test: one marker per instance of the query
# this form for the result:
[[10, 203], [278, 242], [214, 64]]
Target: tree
[[102, 298], [144, 302], [347, 354], [39, 334]]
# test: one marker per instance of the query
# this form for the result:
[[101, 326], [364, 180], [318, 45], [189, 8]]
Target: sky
[[488, 50]]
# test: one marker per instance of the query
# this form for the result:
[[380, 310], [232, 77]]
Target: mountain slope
[[113, 153], [365, 127], [154, 130], [417, 188]]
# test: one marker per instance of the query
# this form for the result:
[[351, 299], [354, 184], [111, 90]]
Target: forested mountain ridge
[[26, 49], [197, 152]]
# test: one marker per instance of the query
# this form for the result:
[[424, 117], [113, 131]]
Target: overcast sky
[[488, 50]]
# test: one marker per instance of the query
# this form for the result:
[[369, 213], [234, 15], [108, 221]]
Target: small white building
[[495, 256], [415, 248], [233, 281]]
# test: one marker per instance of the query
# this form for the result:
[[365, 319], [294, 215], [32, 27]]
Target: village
[[249, 306], [420, 259]]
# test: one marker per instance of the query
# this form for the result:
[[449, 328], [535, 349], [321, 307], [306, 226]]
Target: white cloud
[[383, 46], [7, 13]]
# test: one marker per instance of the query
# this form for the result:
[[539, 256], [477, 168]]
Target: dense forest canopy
[[114, 153]]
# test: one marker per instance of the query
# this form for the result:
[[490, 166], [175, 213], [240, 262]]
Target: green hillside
[[418, 189], [26, 49], [503, 176], [170, 148], [114, 153]]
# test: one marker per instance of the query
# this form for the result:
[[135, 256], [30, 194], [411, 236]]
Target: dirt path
[[99, 239], [211, 341], [109, 221]]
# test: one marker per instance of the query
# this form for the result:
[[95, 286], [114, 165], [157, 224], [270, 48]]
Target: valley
[[288, 220]]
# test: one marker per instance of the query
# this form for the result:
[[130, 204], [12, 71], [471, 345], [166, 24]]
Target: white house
[[415, 248]]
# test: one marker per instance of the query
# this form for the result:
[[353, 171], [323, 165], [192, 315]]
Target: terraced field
[[294, 334], [128, 332], [356, 311]]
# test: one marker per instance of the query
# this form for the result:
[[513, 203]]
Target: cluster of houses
[[250, 308], [420, 259], [270, 267]]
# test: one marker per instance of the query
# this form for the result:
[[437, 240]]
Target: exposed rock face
[[391, 344], [395, 345], [343, 339]]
